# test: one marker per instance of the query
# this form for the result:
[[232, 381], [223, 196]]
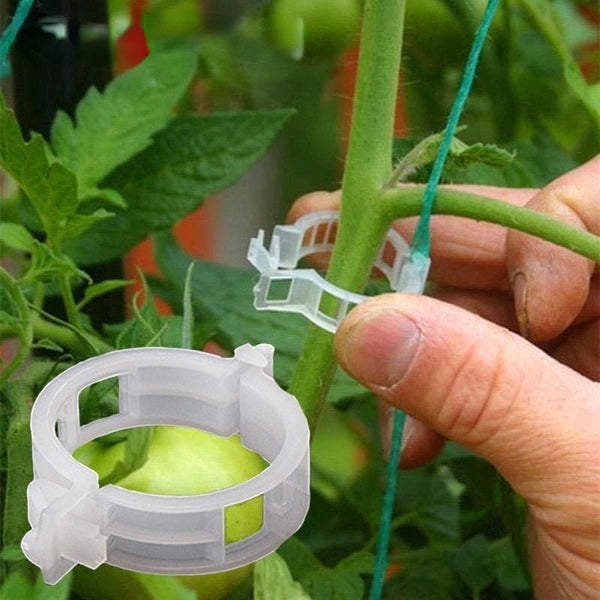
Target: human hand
[[530, 405]]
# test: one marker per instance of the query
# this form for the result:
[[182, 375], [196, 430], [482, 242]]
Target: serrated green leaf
[[537, 162], [432, 508], [225, 293], [299, 558], [194, 157], [462, 155], [15, 236], [272, 579], [51, 187], [343, 582], [112, 126], [98, 289], [46, 265], [415, 156], [473, 563]]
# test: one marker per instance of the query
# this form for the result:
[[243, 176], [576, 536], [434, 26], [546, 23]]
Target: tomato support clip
[[283, 287], [74, 521]]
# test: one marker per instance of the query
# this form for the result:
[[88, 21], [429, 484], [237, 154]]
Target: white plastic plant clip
[[303, 290], [76, 522]]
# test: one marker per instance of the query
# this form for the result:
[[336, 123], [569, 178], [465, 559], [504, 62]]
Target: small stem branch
[[68, 300], [64, 337], [407, 200]]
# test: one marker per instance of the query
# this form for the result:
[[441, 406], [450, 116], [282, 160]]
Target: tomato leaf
[[15, 236], [111, 127], [473, 563], [195, 156], [45, 265], [342, 582], [272, 579], [51, 187], [98, 289], [536, 162], [413, 157]]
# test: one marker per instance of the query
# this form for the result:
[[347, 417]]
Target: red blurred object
[[132, 48], [590, 13]]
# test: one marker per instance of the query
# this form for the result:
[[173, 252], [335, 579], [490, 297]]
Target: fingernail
[[520, 289], [379, 348]]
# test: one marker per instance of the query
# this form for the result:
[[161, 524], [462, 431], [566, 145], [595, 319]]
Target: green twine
[[383, 539], [13, 28], [422, 240], [420, 249]]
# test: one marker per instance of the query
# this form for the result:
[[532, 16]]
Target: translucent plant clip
[[74, 521], [283, 287]]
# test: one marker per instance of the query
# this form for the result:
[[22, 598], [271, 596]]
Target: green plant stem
[[68, 300], [406, 201], [63, 336], [19, 473], [23, 329], [368, 166], [18, 359]]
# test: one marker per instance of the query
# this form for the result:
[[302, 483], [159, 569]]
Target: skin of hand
[[456, 364]]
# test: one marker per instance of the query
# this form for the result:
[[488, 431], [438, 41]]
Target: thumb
[[479, 385]]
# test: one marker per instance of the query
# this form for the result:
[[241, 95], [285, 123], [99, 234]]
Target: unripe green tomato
[[313, 28], [172, 18], [434, 34], [181, 461]]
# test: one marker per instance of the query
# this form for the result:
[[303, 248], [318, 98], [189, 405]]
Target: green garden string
[[11, 31], [420, 247]]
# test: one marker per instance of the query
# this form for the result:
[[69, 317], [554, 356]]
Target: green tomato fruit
[[181, 461], [172, 18], [313, 28], [434, 34]]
